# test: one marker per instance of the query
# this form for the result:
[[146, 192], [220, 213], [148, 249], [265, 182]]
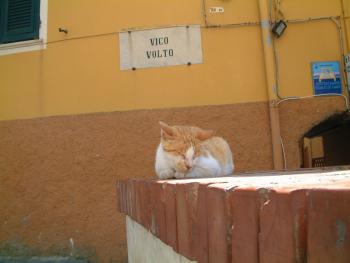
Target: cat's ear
[[166, 129], [205, 134]]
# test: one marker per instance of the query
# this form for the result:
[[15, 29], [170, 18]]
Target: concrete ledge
[[266, 217], [143, 247]]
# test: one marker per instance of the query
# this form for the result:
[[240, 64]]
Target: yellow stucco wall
[[346, 15], [79, 72]]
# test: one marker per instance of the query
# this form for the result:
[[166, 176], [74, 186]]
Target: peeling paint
[[25, 220], [153, 224], [268, 40], [264, 193], [71, 241], [265, 24], [274, 88], [341, 233], [299, 236], [193, 194]]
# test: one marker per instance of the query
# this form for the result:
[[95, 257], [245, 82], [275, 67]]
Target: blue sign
[[326, 77]]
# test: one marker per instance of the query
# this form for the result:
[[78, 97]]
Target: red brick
[[208, 220], [170, 215], [186, 201], [191, 209], [245, 219], [157, 209], [121, 191], [328, 226], [145, 211], [123, 196], [282, 226], [138, 198], [219, 224], [130, 199], [200, 229], [119, 196]]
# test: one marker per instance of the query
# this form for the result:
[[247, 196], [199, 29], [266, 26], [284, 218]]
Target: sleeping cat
[[187, 152]]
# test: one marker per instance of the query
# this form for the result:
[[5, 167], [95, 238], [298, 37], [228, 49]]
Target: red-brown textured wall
[[58, 174]]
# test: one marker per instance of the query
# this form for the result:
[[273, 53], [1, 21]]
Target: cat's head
[[183, 143]]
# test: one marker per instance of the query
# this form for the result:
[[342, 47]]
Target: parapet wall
[[265, 217]]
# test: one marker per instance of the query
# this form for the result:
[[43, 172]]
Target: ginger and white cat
[[187, 152]]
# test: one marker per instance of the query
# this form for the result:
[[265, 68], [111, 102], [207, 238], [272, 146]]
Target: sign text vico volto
[[160, 47], [162, 51]]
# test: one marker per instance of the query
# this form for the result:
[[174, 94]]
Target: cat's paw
[[179, 175], [181, 167], [166, 174]]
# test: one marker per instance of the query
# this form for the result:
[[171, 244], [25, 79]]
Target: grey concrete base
[[143, 247], [40, 260]]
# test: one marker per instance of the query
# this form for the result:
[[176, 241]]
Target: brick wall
[[267, 218]]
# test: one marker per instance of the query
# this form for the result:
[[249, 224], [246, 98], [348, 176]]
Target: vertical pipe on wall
[[346, 33], [346, 29], [337, 23], [270, 71]]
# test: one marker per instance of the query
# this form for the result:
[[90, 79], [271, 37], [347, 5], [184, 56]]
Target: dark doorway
[[328, 143]]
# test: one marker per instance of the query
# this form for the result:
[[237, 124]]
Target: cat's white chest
[[205, 166], [165, 164]]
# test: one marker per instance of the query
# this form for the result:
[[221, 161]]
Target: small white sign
[[160, 47], [347, 65], [216, 9]]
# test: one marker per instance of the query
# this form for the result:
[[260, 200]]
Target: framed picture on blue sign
[[326, 77]]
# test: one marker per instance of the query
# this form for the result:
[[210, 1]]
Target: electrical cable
[[319, 95], [284, 153]]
